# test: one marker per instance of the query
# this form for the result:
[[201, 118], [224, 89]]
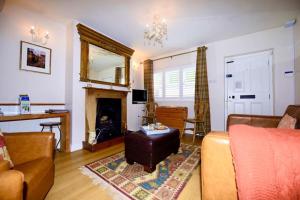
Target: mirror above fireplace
[[106, 66], [103, 60]]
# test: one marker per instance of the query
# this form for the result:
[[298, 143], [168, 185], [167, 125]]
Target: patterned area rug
[[126, 181]]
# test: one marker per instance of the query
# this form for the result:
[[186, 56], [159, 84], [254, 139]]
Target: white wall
[[76, 98], [297, 59], [15, 23], [62, 86], [279, 39]]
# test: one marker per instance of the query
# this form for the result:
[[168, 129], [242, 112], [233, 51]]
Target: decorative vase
[[92, 136]]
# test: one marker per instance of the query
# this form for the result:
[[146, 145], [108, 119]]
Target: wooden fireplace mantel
[[106, 90], [92, 94]]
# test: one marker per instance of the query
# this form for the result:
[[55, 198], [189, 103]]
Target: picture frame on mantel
[[35, 58]]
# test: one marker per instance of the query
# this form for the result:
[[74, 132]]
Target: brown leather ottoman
[[150, 150]]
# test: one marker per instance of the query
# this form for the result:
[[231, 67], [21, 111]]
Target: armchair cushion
[[4, 155], [36, 176], [11, 185]]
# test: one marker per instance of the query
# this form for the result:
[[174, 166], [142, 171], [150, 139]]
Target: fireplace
[[108, 119]]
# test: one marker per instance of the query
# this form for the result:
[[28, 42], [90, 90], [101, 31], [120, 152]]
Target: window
[[175, 83], [188, 82], [158, 84], [172, 83]]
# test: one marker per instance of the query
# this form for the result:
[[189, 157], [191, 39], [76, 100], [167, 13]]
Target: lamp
[[36, 35]]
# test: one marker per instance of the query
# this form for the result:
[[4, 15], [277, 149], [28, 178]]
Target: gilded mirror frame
[[89, 36]]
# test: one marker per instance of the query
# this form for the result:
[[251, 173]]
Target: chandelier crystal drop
[[156, 33]]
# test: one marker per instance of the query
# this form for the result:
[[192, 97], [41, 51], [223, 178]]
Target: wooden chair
[[200, 122], [150, 109]]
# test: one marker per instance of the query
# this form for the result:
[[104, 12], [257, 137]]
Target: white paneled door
[[248, 84]]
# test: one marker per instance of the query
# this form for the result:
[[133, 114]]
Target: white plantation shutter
[[174, 78], [188, 82], [158, 84], [172, 84]]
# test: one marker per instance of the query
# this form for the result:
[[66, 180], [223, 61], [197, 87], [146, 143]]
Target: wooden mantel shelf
[[104, 89]]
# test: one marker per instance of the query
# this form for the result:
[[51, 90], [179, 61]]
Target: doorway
[[249, 84]]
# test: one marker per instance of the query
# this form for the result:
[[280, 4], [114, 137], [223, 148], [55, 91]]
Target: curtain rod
[[179, 54]]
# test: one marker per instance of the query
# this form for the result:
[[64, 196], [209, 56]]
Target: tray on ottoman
[[149, 150]]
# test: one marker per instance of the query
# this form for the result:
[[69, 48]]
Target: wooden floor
[[70, 184]]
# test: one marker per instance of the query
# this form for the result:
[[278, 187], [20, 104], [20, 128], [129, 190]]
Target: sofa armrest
[[4, 165], [24, 147], [11, 185], [253, 120], [217, 171]]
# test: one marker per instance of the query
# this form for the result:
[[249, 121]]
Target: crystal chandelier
[[157, 32]]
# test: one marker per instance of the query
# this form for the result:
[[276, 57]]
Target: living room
[[177, 62]]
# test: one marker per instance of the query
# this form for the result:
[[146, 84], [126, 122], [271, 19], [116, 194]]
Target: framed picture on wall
[[35, 58]]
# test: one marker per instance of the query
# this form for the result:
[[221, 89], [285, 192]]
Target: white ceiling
[[190, 22]]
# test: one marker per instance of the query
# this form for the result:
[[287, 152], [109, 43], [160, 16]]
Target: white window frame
[[180, 68]]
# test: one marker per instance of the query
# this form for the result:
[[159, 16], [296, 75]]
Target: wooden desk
[[65, 124]]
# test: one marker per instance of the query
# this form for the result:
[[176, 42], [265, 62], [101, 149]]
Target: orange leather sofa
[[33, 173], [217, 170]]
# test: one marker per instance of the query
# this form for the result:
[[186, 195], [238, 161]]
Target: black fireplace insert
[[108, 119]]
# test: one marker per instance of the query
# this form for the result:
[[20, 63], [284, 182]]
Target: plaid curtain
[[148, 79], [118, 74], [201, 87]]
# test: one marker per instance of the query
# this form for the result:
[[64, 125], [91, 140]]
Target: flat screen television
[[139, 96]]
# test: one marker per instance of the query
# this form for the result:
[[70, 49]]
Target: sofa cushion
[[35, 173], [287, 122], [4, 155], [294, 111]]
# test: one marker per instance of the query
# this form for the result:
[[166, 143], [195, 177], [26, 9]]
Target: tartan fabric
[[201, 87], [118, 74], [4, 155], [148, 79]]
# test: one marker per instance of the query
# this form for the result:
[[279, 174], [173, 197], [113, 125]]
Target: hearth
[[108, 119]]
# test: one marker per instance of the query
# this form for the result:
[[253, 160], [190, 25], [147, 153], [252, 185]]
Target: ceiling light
[[157, 32]]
